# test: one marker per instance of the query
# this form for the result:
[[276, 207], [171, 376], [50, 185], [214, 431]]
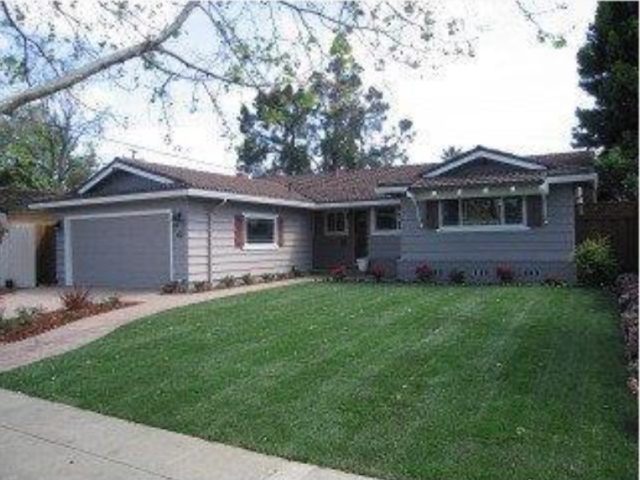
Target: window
[[260, 230], [513, 210], [386, 219], [481, 211], [450, 213], [335, 223], [490, 213]]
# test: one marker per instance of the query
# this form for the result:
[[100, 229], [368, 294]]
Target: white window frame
[[374, 229], [501, 227], [260, 246], [342, 233]]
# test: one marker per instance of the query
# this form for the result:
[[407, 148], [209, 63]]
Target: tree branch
[[10, 104]]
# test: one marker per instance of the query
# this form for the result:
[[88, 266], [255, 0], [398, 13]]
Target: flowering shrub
[[338, 273], [504, 273], [457, 276], [378, 272], [424, 273]]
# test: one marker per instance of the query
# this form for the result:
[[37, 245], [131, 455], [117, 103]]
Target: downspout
[[210, 239], [413, 199]]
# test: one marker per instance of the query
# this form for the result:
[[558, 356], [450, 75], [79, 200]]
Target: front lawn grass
[[400, 382]]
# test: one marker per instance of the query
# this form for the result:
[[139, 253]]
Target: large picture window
[[487, 212], [481, 211], [335, 223], [386, 219], [261, 230]]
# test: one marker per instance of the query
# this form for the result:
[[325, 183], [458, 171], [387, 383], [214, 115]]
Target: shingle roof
[[192, 178], [346, 186], [359, 185], [481, 180]]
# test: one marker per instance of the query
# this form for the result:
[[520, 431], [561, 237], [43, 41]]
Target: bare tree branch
[[10, 104]]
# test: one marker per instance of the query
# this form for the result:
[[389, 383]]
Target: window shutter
[[280, 231], [431, 214], [238, 231], [534, 211]]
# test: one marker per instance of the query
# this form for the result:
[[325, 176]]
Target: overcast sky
[[516, 94]]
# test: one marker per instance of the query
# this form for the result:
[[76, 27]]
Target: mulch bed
[[45, 321]]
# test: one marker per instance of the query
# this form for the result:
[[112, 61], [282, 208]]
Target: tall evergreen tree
[[333, 124], [608, 68], [276, 132]]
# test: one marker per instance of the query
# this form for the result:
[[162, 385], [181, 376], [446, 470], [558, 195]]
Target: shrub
[[201, 286], [338, 273], [554, 282], [247, 279], [227, 281], [26, 315], [424, 272], [175, 286], [282, 276], [504, 273], [295, 273], [76, 299], [112, 301], [378, 272], [457, 276], [268, 277], [595, 262]]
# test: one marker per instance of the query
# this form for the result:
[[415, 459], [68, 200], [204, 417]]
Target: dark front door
[[361, 233]]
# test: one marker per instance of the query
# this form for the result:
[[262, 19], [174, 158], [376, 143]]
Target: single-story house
[[27, 249], [136, 223]]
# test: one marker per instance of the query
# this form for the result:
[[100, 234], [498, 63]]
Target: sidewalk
[[41, 439], [77, 334]]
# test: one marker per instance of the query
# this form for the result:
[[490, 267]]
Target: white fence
[[18, 255]]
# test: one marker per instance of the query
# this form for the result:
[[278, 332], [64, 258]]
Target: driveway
[[48, 298]]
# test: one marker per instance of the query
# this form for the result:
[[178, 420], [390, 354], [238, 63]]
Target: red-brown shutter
[[238, 231], [280, 231], [535, 215], [431, 214]]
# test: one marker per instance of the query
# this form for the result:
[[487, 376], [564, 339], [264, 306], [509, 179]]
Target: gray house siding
[[226, 259], [534, 254], [332, 250], [123, 182], [179, 243]]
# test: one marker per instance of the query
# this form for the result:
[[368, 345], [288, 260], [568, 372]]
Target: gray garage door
[[125, 251]]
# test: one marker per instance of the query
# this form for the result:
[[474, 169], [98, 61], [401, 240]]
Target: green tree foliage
[[608, 68], [335, 123], [47, 148], [450, 152], [276, 132]]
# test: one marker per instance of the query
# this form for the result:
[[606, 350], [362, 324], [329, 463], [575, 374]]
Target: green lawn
[[391, 381]]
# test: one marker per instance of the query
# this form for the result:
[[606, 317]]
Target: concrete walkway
[[76, 334], [41, 439]]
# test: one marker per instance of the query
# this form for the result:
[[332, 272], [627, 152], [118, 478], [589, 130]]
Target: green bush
[[595, 262]]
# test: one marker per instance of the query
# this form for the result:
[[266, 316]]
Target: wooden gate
[[616, 220]]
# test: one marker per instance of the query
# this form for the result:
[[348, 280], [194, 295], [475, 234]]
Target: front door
[[361, 233]]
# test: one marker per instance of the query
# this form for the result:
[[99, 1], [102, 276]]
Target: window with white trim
[[386, 219], [335, 223], [260, 230], [482, 212]]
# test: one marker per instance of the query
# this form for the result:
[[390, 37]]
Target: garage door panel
[[121, 251]]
